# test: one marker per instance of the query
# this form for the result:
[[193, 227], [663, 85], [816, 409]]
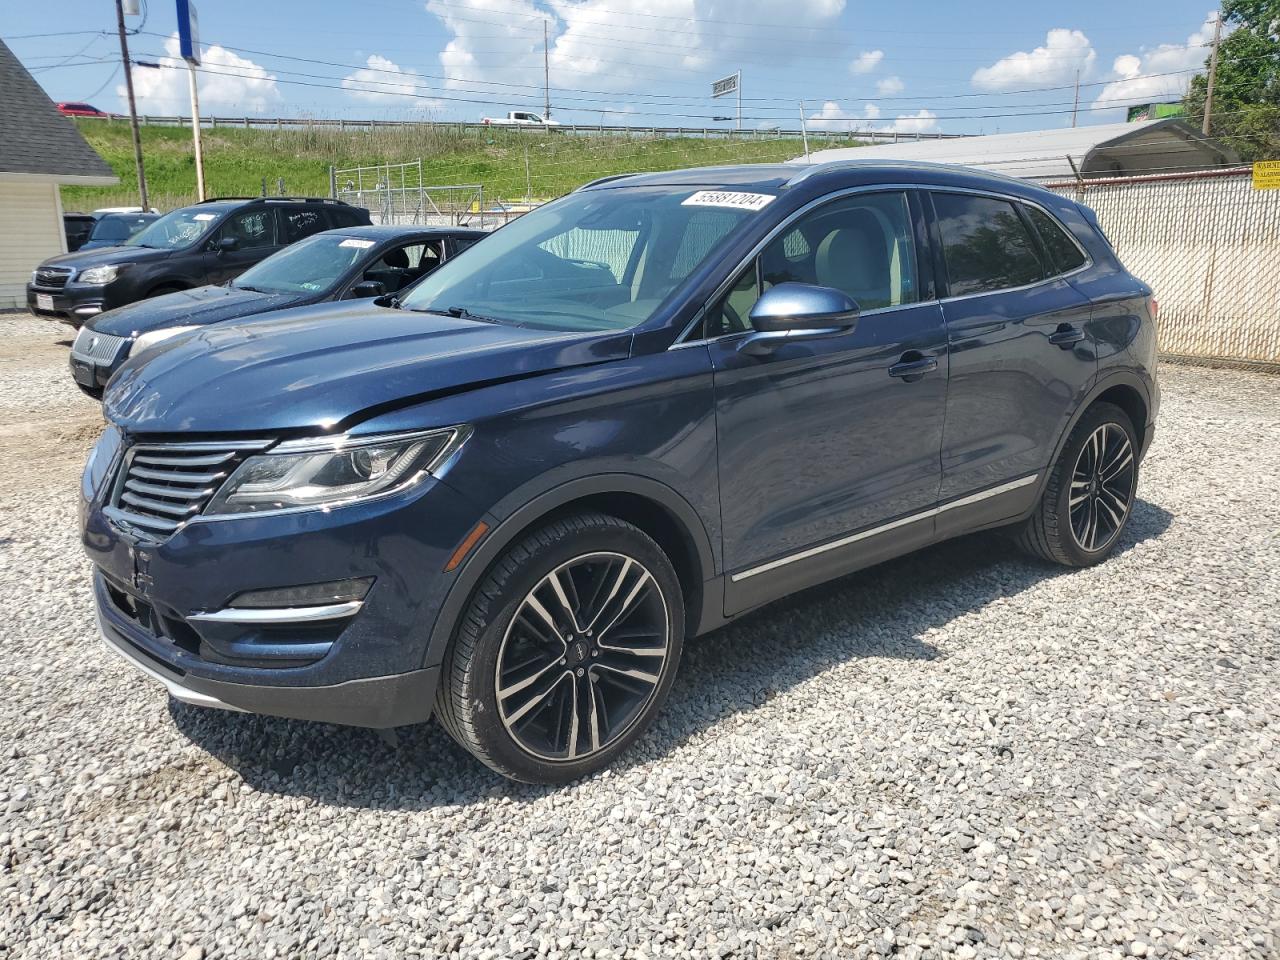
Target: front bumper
[[70, 304], [366, 667], [379, 702], [92, 375]]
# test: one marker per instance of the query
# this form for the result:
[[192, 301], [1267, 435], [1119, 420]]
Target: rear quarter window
[[1064, 253]]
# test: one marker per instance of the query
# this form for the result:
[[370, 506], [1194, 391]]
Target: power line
[[625, 112], [687, 100]]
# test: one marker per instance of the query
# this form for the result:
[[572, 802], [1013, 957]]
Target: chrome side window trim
[[1012, 198], [885, 528]]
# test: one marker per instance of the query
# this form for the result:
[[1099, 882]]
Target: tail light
[[1155, 307]]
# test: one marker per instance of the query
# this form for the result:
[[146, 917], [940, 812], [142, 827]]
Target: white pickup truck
[[521, 118]]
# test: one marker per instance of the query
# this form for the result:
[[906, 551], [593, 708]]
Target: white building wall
[[30, 231]]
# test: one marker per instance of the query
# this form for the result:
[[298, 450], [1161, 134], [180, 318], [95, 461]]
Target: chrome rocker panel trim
[[885, 528]]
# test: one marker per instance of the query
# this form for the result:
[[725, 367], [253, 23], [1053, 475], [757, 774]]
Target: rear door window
[[985, 243], [1064, 253], [297, 224]]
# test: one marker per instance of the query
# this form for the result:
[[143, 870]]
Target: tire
[[1054, 532], [568, 679]]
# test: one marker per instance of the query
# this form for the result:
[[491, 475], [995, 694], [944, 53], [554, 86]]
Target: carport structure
[[1106, 150]]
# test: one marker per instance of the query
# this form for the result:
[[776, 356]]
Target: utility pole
[[1213, 71], [133, 108], [546, 75], [1075, 105], [195, 133]]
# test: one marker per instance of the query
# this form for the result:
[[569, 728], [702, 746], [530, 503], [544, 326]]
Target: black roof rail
[[307, 200], [291, 199]]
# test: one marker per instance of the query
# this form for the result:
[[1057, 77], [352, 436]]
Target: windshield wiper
[[462, 313]]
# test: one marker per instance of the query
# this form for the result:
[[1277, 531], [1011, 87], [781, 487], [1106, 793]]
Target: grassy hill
[[237, 160]]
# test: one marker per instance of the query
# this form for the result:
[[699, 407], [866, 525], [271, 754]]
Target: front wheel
[[567, 651], [1090, 493]]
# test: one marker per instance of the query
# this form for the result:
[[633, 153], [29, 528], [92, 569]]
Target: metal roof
[[1105, 150], [35, 139]]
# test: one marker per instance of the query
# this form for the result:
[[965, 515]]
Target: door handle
[[1066, 335], [913, 365]]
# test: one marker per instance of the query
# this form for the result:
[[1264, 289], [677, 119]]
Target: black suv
[[210, 242]]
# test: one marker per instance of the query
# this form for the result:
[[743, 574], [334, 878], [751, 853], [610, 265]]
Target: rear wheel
[[567, 651], [1090, 492]]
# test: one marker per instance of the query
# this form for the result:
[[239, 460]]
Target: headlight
[[156, 336], [98, 275], [311, 473]]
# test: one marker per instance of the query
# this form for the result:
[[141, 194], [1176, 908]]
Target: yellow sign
[[1266, 175]]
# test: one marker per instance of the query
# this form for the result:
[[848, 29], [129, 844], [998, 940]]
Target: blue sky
[[954, 66]]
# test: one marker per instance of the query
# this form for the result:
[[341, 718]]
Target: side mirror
[[798, 311], [366, 288], [227, 244]]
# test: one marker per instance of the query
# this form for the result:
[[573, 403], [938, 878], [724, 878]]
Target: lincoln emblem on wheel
[[506, 496]]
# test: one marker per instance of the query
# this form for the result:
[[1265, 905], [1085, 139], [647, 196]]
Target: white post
[[739, 99], [195, 133], [804, 132]]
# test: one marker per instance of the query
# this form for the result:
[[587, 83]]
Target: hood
[[198, 307], [321, 367], [84, 259]]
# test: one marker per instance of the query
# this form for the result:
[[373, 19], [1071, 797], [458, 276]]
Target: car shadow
[[884, 611]]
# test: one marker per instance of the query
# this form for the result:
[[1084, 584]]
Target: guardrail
[[571, 129]]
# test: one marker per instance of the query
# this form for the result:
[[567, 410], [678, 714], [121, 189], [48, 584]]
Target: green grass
[[237, 160]]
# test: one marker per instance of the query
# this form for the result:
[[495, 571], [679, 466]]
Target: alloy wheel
[[1102, 486], [582, 657]]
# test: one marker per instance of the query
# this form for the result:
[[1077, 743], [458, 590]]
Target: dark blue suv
[[621, 421]]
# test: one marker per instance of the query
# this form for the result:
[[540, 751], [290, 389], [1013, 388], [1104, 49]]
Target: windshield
[[119, 227], [177, 229], [308, 266], [597, 260]]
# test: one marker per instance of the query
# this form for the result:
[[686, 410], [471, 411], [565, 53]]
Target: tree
[[1246, 91]]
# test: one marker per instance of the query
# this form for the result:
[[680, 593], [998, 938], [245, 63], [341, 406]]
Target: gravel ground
[[960, 754]]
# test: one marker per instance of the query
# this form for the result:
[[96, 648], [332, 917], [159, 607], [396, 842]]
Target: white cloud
[[1135, 83], [382, 81], [889, 86], [1064, 52], [832, 116], [866, 61], [227, 82], [922, 121], [501, 40]]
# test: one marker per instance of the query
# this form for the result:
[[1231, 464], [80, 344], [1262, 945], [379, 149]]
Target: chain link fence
[[394, 193], [1209, 245]]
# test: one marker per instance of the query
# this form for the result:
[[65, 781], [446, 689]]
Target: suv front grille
[[99, 347], [54, 278], [162, 486]]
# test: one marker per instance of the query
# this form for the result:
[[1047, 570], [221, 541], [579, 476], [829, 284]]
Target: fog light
[[309, 595]]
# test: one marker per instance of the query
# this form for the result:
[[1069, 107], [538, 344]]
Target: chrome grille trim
[[53, 278], [98, 347], [160, 486]]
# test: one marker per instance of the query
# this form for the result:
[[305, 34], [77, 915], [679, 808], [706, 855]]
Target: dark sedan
[[346, 264]]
